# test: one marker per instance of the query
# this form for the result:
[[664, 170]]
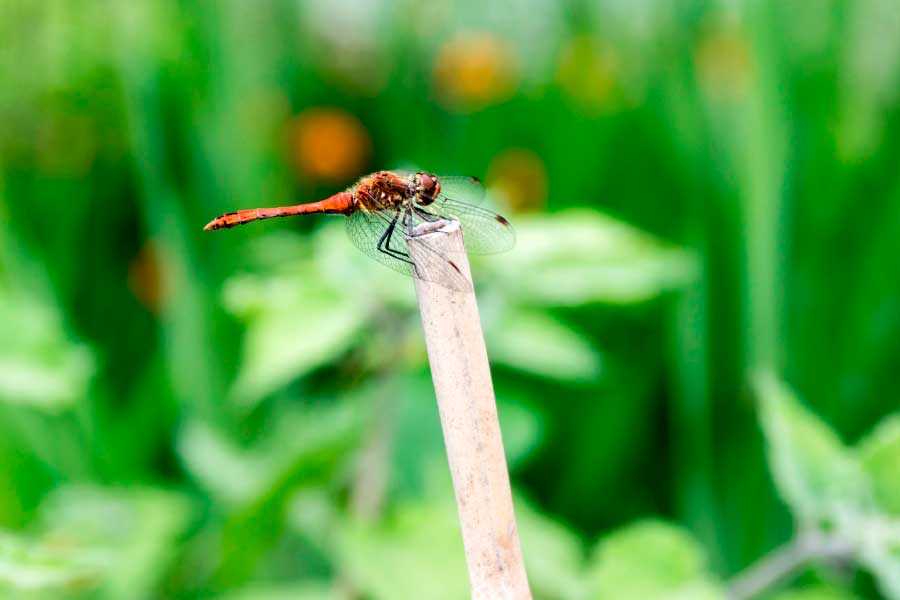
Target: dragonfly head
[[427, 188]]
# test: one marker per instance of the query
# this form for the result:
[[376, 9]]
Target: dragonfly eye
[[429, 188]]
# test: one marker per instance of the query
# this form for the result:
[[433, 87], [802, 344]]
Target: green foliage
[[94, 538], [304, 439], [879, 454], [704, 194], [39, 365], [578, 257], [537, 344], [296, 321], [554, 556], [30, 566], [417, 548], [830, 487], [652, 560], [816, 475], [306, 591], [818, 592]]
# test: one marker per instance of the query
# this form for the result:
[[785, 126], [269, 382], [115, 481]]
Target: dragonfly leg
[[408, 221], [384, 242], [430, 217]]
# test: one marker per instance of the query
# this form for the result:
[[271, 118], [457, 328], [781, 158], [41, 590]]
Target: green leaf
[[308, 308], [877, 539], [301, 437], [554, 557], [29, 565], [128, 534], [826, 484], [312, 512], [303, 449], [651, 560], [230, 474], [416, 553], [817, 592], [294, 591], [293, 327], [815, 474], [521, 429], [581, 256], [879, 454], [39, 365], [538, 344]]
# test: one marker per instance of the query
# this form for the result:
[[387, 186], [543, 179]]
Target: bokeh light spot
[[473, 71], [146, 278], [519, 178], [328, 144], [724, 63]]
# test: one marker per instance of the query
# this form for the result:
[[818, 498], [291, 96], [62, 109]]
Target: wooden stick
[[465, 395]]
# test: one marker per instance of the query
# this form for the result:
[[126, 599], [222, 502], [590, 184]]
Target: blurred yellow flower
[[587, 73], [519, 178], [724, 62], [328, 144], [473, 71]]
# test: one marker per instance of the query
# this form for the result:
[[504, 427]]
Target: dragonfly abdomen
[[342, 203]]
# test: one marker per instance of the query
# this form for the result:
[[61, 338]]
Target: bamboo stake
[[465, 396]]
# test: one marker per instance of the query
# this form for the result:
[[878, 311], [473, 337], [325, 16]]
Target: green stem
[[779, 565]]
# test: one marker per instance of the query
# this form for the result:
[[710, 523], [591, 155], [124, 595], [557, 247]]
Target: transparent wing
[[434, 265], [367, 232], [485, 231], [462, 188]]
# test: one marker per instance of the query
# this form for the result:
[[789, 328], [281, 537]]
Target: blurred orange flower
[[518, 176], [146, 278], [328, 144], [473, 71]]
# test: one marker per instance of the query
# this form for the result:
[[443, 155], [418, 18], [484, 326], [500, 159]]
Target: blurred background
[[701, 190]]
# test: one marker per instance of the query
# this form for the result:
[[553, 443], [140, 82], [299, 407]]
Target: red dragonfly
[[383, 210]]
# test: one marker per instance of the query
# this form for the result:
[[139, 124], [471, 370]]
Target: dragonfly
[[387, 208]]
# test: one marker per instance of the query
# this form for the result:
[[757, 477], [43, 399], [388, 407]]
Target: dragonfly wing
[[432, 264], [485, 231], [365, 230], [462, 188]]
